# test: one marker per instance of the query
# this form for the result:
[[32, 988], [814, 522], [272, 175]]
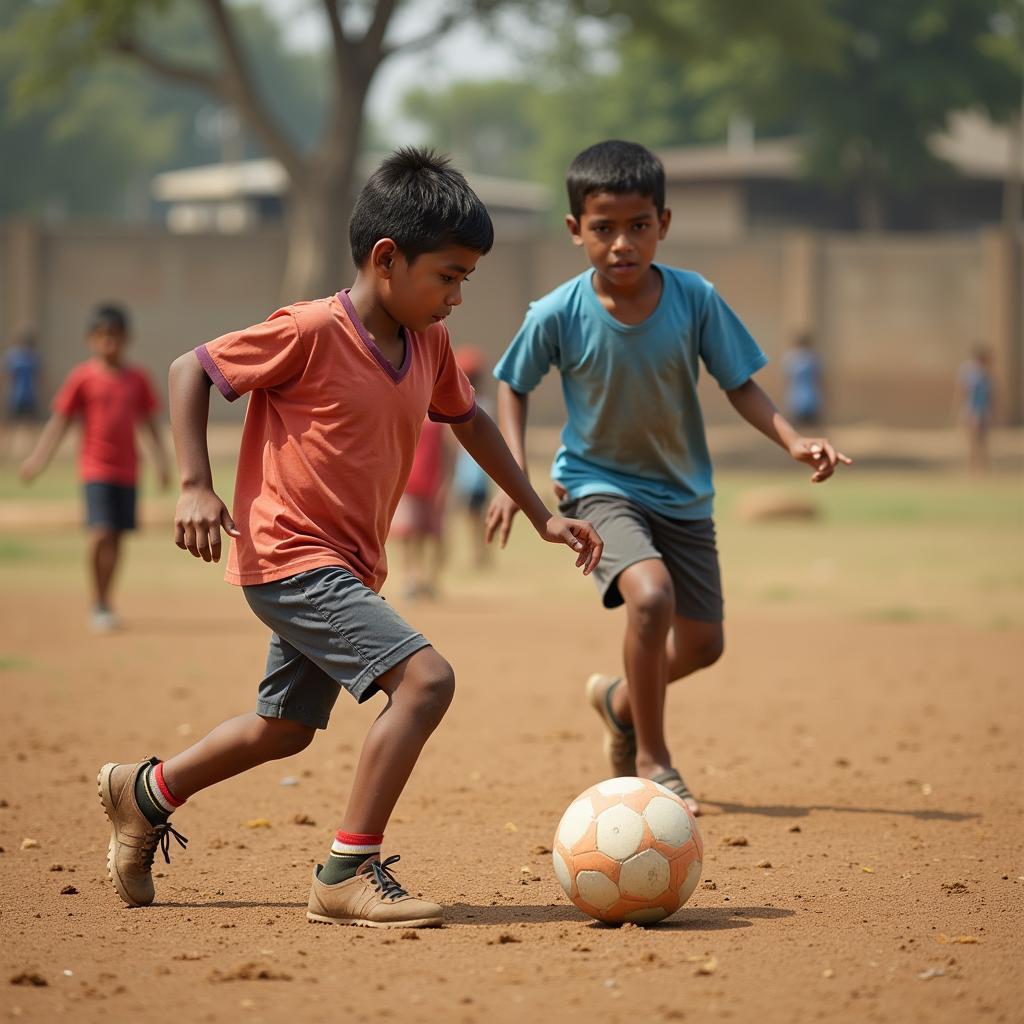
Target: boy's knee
[[710, 649], [653, 605], [431, 684], [287, 737]]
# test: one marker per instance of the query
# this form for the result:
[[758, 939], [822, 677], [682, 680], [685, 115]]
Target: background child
[[802, 367], [21, 368], [975, 398], [112, 399], [627, 336], [339, 388], [419, 519]]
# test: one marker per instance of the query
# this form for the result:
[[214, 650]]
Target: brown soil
[[876, 767]]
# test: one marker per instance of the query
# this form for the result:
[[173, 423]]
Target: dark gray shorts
[[110, 505], [633, 533], [329, 631]]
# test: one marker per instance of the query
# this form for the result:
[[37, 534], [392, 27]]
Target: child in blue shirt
[[628, 336]]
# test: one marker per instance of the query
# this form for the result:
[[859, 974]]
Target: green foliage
[[89, 129]]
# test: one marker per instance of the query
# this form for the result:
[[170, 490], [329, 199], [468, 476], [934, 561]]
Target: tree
[[885, 78], [70, 34], [91, 147]]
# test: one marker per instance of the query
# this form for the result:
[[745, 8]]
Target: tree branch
[[444, 24], [241, 91], [342, 44], [204, 80], [374, 36]]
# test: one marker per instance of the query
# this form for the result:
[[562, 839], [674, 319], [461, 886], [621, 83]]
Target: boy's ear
[[663, 222], [382, 257], [574, 229]]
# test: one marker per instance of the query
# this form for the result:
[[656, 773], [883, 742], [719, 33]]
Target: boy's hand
[[499, 518], [580, 536], [198, 520], [30, 469], [820, 455]]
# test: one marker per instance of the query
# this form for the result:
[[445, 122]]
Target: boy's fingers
[[229, 524], [506, 526], [179, 535], [215, 543], [846, 460]]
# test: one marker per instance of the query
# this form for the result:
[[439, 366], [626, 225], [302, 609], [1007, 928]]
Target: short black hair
[[618, 167], [107, 315], [422, 203]]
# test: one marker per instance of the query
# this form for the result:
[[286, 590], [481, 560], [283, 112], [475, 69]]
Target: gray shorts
[[329, 631], [633, 533]]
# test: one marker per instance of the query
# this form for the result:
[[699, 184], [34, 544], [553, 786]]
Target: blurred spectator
[[419, 519], [803, 382], [974, 395], [471, 485], [21, 368]]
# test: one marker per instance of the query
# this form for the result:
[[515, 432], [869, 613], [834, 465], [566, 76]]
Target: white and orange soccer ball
[[628, 850]]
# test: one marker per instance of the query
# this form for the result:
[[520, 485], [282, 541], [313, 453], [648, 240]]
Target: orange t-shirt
[[329, 435]]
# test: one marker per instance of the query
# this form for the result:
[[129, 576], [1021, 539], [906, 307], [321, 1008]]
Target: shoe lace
[[160, 837], [384, 881]]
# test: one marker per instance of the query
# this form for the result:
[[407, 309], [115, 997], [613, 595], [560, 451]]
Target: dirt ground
[[870, 765]]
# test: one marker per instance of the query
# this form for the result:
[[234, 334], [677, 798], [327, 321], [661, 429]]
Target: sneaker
[[373, 898], [104, 621], [619, 740], [674, 782], [133, 840]]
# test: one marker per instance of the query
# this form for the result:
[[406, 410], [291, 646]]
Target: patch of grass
[[11, 663], [14, 551]]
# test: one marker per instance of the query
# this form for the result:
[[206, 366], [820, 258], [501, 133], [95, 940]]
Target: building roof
[[266, 177], [973, 145]]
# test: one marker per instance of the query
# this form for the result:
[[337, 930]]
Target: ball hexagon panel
[[668, 821], [645, 876], [597, 889], [575, 822], [619, 832]]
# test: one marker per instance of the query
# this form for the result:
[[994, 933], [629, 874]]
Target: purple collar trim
[[371, 346]]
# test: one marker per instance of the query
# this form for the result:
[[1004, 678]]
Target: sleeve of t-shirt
[[533, 351], [263, 356], [69, 398], [148, 402], [726, 346], [453, 399]]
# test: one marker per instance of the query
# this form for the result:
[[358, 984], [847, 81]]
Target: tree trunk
[[870, 206], [317, 260]]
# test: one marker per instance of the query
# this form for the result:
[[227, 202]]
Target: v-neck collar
[[397, 375]]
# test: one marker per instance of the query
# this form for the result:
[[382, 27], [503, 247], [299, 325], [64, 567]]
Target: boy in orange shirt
[[338, 390], [112, 399]]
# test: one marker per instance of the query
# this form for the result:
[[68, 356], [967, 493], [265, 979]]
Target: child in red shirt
[[112, 399], [419, 518]]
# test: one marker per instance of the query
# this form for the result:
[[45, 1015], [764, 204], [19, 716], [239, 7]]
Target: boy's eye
[[447, 278], [642, 225]]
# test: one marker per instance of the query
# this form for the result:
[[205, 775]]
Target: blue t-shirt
[[23, 367], [634, 424]]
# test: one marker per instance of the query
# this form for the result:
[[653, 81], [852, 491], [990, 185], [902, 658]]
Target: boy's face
[[107, 342], [620, 234], [426, 291]]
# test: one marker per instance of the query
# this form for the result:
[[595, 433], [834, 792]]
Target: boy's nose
[[454, 298], [622, 244]]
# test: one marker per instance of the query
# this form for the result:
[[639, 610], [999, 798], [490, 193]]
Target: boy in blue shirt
[[627, 336]]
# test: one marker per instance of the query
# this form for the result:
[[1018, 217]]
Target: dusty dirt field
[[875, 765]]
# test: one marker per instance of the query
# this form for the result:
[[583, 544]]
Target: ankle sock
[[153, 795], [348, 852]]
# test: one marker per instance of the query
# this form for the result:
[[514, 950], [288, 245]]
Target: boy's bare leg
[[647, 590], [691, 645], [233, 747], [419, 691], [104, 551]]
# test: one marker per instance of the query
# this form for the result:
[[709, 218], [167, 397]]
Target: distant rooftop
[[974, 146]]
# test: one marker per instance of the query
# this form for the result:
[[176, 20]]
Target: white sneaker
[[104, 621]]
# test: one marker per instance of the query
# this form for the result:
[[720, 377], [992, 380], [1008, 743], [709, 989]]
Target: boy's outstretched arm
[[49, 441], [513, 409], [750, 401], [482, 439], [200, 514]]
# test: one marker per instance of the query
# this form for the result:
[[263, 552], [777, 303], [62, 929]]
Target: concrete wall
[[893, 315]]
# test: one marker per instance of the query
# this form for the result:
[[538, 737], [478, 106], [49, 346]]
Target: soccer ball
[[628, 850]]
